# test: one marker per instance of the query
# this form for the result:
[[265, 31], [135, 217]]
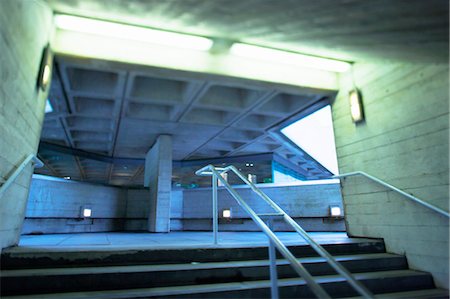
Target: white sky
[[314, 134]]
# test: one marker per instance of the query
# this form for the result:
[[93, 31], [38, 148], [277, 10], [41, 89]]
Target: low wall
[[307, 204], [54, 206]]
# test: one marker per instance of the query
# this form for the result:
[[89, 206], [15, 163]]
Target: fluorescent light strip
[[129, 32], [278, 56]]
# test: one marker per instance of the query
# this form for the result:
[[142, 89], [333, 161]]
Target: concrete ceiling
[[114, 110], [353, 30]]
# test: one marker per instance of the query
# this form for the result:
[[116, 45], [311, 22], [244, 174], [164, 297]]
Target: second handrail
[[389, 186], [31, 158]]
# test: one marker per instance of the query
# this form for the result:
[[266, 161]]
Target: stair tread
[[428, 293], [181, 267], [220, 287], [21, 251]]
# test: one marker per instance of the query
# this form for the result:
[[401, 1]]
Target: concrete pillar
[[158, 177], [25, 29]]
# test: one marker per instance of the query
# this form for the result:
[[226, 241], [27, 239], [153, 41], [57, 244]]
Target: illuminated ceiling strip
[[129, 32], [289, 58]]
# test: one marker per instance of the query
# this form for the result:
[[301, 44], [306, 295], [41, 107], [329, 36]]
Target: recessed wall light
[[67, 177], [226, 213], [87, 213], [335, 211]]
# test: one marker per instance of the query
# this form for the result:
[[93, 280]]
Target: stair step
[[419, 294], [377, 282], [136, 276], [189, 266], [52, 259]]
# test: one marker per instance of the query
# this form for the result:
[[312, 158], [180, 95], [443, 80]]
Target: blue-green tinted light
[[48, 106], [314, 134]]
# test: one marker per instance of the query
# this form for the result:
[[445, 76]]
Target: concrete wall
[[403, 141], [54, 206], [138, 207], [25, 28], [307, 204]]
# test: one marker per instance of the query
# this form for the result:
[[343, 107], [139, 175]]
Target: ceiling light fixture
[[130, 32], [290, 58]]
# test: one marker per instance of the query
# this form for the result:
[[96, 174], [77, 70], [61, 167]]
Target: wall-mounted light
[[356, 106], [86, 212], [226, 213], [335, 211], [45, 68], [130, 32], [290, 58]]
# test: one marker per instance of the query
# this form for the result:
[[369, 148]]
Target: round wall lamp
[[45, 68]]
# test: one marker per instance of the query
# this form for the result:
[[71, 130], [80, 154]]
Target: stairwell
[[208, 273]]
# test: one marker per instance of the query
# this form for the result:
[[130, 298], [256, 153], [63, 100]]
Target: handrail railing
[[210, 170], [389, 186], [31, 158]]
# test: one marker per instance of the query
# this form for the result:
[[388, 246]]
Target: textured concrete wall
[[138, 205], [308, 204], [403, 141], [54, 206], [25, 28]]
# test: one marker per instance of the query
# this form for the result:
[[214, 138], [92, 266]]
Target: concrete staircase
[[206, 273]]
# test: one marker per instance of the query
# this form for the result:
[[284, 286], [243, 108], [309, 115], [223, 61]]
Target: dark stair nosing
[[418, 294], [17, 260], [367, 278], [183, 266]]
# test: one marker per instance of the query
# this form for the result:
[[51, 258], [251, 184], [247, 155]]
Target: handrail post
[[215, 209], [273, 264]]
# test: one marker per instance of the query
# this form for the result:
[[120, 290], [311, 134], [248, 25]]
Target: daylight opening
[[314, 134]]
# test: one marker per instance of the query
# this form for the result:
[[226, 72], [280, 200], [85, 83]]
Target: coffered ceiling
[[117, 111]]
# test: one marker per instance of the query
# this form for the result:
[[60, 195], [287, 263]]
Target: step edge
[[184, 266], [205, 288]]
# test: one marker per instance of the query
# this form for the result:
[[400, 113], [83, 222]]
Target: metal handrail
[[210, 170], [31, 158], [389, 186]]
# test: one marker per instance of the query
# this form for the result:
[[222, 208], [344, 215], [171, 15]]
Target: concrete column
[[25, 29], [158, 177]]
